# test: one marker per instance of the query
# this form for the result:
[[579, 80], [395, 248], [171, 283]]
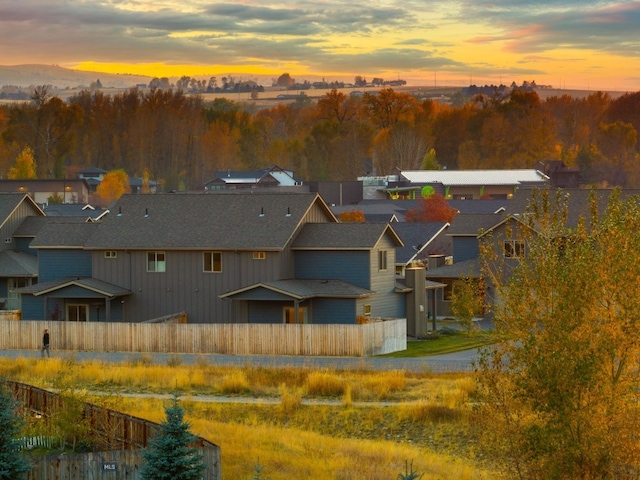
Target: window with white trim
[[259, 255], [382, 260], [212, 262], [156, 262], [366, 309], [110, 254]]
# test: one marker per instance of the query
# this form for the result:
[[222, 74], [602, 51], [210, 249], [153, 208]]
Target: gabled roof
[[30, 226], [64, 235], [416, 236], [476, 177], [478, 206], [577, 201], [9, 202], [96, 286], [72, 210], [303, 289], [466, 268], [343, 236], [92, 171], [472, 225], [223, 221], [18, 264]]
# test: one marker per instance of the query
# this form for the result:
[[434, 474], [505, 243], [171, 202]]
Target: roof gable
[[9, 203], [344, 236], [225, 221]]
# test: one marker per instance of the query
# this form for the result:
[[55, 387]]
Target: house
[[462, 184], [18, 265], [93, 176], [421, 242], [257, 257], [264, 178], [42, 190], [87, 212]]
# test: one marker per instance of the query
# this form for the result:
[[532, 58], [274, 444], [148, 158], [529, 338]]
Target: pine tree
[[13, 465], [168, 455]]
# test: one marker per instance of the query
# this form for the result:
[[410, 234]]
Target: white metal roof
[[476, 177]]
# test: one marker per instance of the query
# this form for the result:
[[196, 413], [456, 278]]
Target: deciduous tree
[[559, 392], [351, 216], [25, 166], [434, 208], [113, 185]]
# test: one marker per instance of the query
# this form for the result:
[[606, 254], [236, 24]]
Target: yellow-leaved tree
[[113, 185], [559, 394], [25, 167]]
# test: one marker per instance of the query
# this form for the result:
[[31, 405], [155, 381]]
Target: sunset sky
[[568, 44]]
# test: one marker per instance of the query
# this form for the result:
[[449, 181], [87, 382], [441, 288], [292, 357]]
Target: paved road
[[459, 361]]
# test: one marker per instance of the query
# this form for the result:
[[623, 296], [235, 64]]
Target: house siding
[[349, 266], [465, 248], [267, 312], [23, 210], [386, 302], [334, 310], [22, 245], [184, 286], [55, 264]]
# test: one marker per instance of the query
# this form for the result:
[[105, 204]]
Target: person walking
[[45, 343]]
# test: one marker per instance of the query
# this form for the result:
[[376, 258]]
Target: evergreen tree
[[168, 455], [13, 465]]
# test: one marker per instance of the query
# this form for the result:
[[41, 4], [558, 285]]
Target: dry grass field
[[367, 427]]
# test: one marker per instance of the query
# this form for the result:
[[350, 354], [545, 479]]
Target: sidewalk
[[452, 362]]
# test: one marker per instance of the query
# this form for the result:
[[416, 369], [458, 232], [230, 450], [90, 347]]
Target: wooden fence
[[370, 339], [120, 437]]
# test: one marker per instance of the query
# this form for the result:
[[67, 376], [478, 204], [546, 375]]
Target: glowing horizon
[[591, 45]]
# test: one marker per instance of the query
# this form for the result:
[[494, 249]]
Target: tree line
[[181, 140]]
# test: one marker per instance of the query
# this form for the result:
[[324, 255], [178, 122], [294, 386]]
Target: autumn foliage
[[434, 208], [184, 139], [351, 216], [114, 184], [558, 395]]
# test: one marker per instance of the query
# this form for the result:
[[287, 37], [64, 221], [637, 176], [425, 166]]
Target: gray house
[[227, 257]]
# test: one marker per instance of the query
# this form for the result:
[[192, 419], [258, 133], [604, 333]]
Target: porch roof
[[14, 263], [303, 289], [91, 284]]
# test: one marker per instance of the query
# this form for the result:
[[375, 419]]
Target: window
[[366, 309], [110, 254], [77, 313], [382, 260], [212, 262], [155, 262], [513, 248], [259, 255]]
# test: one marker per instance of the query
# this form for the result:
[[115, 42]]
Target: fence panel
[[235, 339], [122, 437]]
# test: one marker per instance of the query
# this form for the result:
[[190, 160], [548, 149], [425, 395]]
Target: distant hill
[[25, 75]]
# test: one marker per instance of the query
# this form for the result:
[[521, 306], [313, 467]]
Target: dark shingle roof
[[18, 264], [64, 235], [415, 236], [92, 284], [308, 288], [213, 220], [473, 224], [30, 226], [345, 236], [466, 268]]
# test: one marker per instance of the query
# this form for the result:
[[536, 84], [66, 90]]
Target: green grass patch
[[452, 341]]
